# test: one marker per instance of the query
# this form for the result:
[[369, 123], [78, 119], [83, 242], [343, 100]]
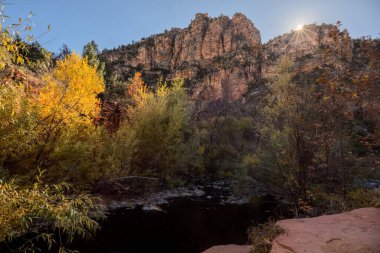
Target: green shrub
[[225, 142], [262, 236], [46, 208], [327, 203], [359, 198], [156, 140], [40, 59], [98, 152], [18, 125], [331, 203]]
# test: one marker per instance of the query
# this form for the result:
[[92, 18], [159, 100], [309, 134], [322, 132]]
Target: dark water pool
[[186, 225]]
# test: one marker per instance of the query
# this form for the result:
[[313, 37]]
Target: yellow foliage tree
[[68, 102], [70, 94]]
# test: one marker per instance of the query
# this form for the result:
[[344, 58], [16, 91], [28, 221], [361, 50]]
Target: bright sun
[[299, 27]]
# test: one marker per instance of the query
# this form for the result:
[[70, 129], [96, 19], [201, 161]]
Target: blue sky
[[116, 22]]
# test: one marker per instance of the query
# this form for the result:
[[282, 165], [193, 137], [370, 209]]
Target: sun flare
[[299, 27]]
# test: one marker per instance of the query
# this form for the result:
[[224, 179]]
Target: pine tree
[[91, 51]]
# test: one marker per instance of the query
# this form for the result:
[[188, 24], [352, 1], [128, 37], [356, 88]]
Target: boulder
[[357, 231]]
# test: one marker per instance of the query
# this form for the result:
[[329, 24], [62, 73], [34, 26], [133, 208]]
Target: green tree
[[40, 59], [64, 51], [308, 137], [157, 140], [287, 136], [224, 143], [91, 51]]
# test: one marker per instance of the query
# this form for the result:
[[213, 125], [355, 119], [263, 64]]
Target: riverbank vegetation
[[45, 216], [308, 151], [310, 145]]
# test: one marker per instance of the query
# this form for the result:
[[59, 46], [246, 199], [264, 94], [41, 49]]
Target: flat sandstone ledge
[[231, 248], [357, 231]]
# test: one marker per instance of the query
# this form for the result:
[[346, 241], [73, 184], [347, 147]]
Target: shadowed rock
[[231, 248]]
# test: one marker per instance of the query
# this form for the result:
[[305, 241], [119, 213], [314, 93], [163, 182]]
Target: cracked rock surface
[[357, 231]]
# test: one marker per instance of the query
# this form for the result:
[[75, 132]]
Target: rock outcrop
[[357, 231], [225, 64], [325, 51], [318, 48], [12, 73], [311, 47], [219, 57]]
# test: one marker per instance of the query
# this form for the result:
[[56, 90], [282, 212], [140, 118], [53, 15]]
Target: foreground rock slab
[[357, 231], [231, 248]]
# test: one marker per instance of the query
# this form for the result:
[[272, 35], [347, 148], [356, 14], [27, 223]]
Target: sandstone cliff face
[[223, 59], [324, 49], [311, 47], [16, 74], [219, 57]]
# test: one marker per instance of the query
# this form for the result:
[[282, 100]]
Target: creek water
[[185, 225]]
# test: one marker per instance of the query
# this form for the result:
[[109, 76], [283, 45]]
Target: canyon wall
[[219, 57], [223, 59]]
